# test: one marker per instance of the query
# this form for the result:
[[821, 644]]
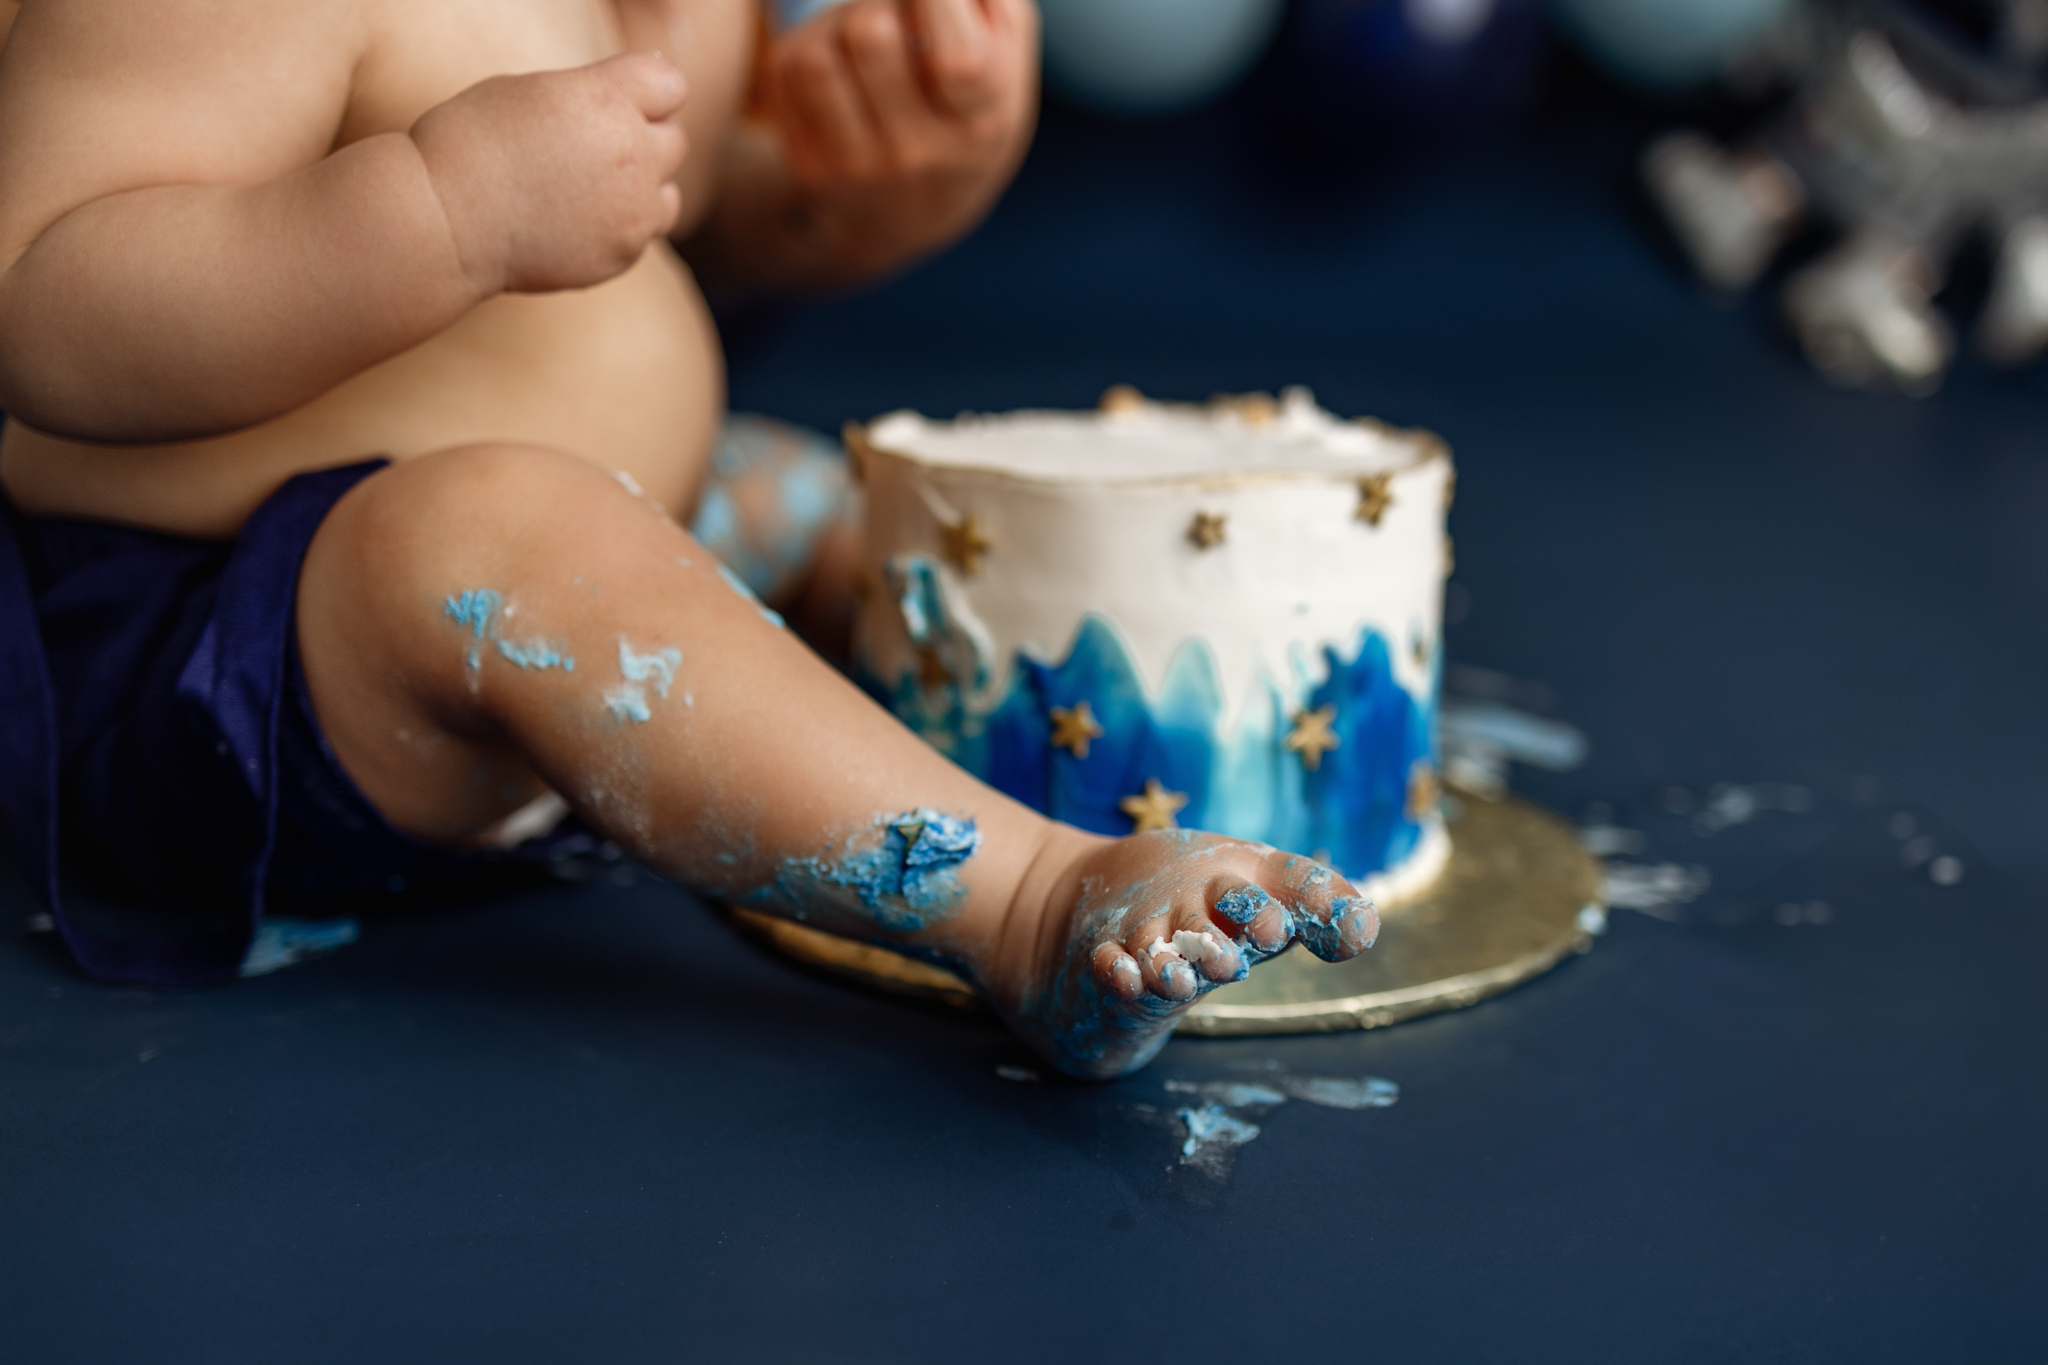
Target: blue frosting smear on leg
[[626, 702], [657, 667], [1351, 808], [473, 608], [536, 654], [905, 881], [739, 585]]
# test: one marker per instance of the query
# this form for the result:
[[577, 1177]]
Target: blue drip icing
[[1248, 785], [1358, 797]]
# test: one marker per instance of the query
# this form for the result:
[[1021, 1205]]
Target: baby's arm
[[891, 126], [182, 255]]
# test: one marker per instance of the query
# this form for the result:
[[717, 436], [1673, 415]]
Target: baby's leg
[[781, 509], [480, 624]]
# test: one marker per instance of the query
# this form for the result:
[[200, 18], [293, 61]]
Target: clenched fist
[[559, 179]]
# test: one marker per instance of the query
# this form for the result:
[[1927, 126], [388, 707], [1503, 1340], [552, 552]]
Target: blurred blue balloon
[[1669, 44], [1153, 56], [1416, 65]]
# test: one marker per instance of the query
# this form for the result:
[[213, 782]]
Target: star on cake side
[[1312, 736], [1073, 729], [1375, 496], [1154, 808], [1424, 790], [932, 672], [966, 543]]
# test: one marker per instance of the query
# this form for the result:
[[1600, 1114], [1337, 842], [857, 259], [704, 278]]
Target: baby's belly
[[627, 375]]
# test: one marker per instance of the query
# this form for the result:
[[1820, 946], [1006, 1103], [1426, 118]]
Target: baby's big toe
[[1330, 918], [1344, 930]]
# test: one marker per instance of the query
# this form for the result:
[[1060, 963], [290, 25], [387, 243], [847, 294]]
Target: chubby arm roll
[[184, 252]]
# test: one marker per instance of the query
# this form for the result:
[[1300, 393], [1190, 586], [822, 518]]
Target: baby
[[356, 391]]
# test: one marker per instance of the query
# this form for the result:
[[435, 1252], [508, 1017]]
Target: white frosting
[[1396, 886], [1089, 512], [1153, 441]]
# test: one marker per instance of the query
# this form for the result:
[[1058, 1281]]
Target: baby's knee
[[450, 515], [473, 497]]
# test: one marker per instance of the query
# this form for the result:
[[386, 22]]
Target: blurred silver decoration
[[1907, 139]]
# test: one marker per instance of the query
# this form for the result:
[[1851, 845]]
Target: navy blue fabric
[[161, 769]]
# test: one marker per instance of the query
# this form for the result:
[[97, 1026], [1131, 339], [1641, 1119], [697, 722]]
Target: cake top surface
[[1132, 440]]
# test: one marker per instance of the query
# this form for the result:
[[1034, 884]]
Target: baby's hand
[[559, 179], [912, 112]]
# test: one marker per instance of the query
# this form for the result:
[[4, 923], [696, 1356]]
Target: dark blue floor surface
[[588, 1124]]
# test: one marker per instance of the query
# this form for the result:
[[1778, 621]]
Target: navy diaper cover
[[161, 772]]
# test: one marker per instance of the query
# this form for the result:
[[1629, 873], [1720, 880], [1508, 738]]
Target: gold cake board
[[1507, 906]]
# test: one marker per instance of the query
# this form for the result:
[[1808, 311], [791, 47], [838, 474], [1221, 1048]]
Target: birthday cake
[[1222, 617]]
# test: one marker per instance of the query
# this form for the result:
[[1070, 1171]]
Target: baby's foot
[[1136, 931]]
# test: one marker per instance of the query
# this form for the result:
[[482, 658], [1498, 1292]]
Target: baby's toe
[[1214, 956], [1166, 973], [1257, 918], [1329, 916], [1117, 972]]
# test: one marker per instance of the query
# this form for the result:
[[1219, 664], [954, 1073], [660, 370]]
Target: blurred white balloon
[[1448, 21], [1670, 44], [1153, 56]]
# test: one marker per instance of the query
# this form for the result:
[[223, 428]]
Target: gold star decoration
[[910, 828], [1423, 790], [854, 437], [1073, 729], [1207, 530], [932, 672], [966, 543], [1121, 398], [1375, 496], [1254, 409], [1312, 736], [1154, 809]]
